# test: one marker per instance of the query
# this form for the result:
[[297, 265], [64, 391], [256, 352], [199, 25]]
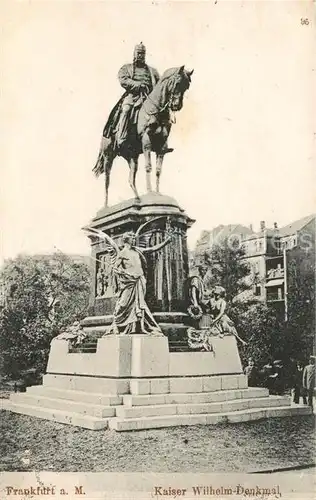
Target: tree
[[263, 329], [228, 268], [301, 304], [258, 324], [43, 295]]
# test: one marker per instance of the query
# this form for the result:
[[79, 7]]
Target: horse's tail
[[106, 148]]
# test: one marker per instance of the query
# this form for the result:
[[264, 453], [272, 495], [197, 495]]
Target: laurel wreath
[[195, 312]]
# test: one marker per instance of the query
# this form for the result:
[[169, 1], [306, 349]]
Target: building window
[[293, 242], [257, 290], [277, 245]]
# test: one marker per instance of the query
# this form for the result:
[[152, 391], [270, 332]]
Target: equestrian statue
[[141, 120]]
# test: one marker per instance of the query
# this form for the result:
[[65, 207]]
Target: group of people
[[273, 376], [304, 382], [270, 375]]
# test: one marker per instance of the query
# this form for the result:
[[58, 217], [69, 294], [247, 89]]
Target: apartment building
[[270, 252]]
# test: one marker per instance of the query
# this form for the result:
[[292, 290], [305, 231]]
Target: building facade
[[276, 256]]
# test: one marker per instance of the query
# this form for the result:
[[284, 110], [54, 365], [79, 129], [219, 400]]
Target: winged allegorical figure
[[131, 313]]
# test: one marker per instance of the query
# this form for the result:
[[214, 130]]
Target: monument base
[[134, 382]]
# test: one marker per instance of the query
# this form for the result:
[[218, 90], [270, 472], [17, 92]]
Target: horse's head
[[178, 81]]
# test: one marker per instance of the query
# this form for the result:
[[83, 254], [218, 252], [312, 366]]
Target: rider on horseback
[[138, 79]]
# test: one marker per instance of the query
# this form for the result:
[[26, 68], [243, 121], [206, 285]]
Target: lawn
[[33, 444]]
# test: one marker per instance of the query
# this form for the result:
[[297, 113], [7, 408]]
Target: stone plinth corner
[[150, 356]]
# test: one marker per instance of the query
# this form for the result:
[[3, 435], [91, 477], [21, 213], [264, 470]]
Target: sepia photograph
[[158, 249]]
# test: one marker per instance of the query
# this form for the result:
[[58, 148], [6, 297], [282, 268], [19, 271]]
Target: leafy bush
[[259, 325], [263, 331], [43, 294]]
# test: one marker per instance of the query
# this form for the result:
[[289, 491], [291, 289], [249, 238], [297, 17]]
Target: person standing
[[269, 375], [197, 294], [298, 390], [252, 373], [199, 311], [309, 380], [279, 383]]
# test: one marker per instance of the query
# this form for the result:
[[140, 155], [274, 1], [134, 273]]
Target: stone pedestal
[[167, 270], [133, 383], [112, 359], [225, 359], [144, 358], [150, 356]]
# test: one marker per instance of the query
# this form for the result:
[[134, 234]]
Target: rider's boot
[[167, 150], [123, 126]]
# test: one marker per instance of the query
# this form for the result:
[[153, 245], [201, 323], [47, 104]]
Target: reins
[[163, 108]]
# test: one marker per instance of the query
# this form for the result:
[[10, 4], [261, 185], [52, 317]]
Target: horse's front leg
[[162, 150], [146, 144], [159, 162], [133, 167]]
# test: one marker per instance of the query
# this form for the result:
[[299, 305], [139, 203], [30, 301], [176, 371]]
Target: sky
[[243, 140]]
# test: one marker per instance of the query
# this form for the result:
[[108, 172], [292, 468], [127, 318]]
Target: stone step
[[63, 404], [194, 398], [85, 346], [90, 343], [63, 417], [121, 424], [81, 396], [85, 350], [201, 408], [97, 331]]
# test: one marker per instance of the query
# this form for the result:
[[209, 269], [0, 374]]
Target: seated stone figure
[[222, 324], [208, 311]]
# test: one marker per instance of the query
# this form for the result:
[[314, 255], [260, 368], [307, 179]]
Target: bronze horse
[[150, 133]]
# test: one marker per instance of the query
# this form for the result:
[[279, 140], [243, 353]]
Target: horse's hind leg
[[159, 162], [133, 167], [108, 162]]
